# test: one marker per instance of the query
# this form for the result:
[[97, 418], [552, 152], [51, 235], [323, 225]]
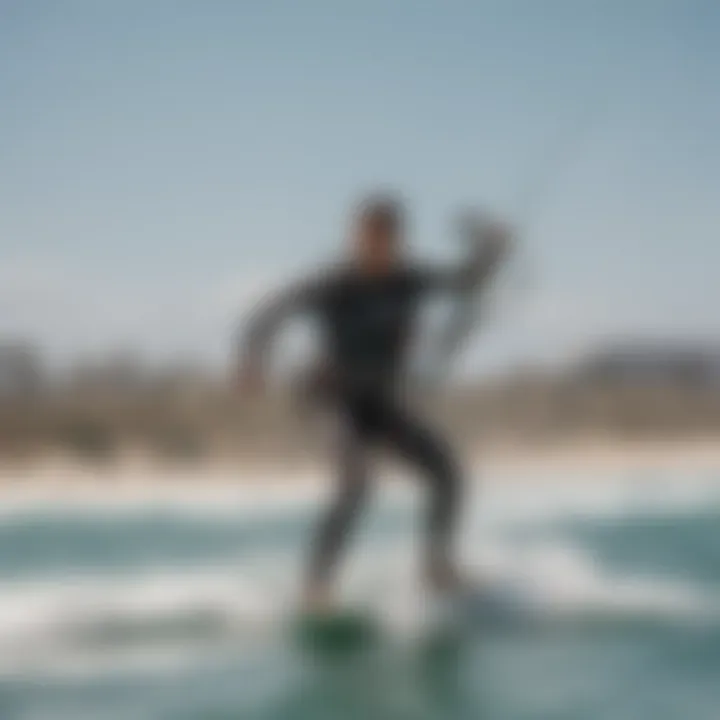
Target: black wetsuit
[[365, 324]]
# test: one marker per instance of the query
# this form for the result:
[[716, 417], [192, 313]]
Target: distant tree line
[[184, 424]]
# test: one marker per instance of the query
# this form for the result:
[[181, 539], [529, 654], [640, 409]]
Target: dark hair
[[384, 212]]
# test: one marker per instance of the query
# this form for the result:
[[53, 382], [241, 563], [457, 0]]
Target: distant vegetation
[[187, 423]]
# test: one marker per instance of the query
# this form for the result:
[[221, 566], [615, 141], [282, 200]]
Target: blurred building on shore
[[689, 365], [21, 370], [120, 373]]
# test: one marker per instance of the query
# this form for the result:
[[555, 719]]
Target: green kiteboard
[[342, 630]]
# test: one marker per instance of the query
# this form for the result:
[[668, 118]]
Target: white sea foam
[[154, 617], [102, 623]]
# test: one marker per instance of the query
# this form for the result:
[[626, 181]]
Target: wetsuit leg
[[351, 491], [426, 451]]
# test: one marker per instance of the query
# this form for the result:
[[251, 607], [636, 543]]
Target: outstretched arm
[[255, 340]]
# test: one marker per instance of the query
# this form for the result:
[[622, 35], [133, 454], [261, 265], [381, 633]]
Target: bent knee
[[443, 468]]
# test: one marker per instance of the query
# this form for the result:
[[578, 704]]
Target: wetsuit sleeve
[[465, 276], [257, 335]]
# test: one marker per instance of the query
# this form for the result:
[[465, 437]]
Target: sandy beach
[[138, 477]]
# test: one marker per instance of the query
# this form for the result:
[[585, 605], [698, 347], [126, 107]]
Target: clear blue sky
[[162, 162]]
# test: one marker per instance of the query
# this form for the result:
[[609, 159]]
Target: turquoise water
[[181, 609]]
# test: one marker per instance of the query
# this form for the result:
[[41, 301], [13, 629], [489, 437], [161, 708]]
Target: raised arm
[[490, 247]]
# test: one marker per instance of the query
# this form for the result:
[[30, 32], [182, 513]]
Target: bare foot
[[445, 577], [317, 601]]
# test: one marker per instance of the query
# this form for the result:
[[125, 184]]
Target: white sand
[[50, 479]]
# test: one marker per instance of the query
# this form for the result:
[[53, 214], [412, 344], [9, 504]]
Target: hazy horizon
[[164, 164]]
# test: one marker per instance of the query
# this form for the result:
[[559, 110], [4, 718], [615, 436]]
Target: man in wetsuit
[[365, 310]]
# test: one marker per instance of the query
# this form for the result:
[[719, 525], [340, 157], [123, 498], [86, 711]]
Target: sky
[[164, 163]]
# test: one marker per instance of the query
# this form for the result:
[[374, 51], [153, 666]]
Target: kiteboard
[[474, 609], [337, 629]]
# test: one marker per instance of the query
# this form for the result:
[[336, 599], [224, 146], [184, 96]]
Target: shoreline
[[493, 463]]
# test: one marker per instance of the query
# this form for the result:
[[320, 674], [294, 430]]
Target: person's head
[[378, 234]]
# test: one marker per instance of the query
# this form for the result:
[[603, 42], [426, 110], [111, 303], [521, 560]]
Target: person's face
[[376, 247]]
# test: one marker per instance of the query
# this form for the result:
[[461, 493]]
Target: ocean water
[[179, 608]]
